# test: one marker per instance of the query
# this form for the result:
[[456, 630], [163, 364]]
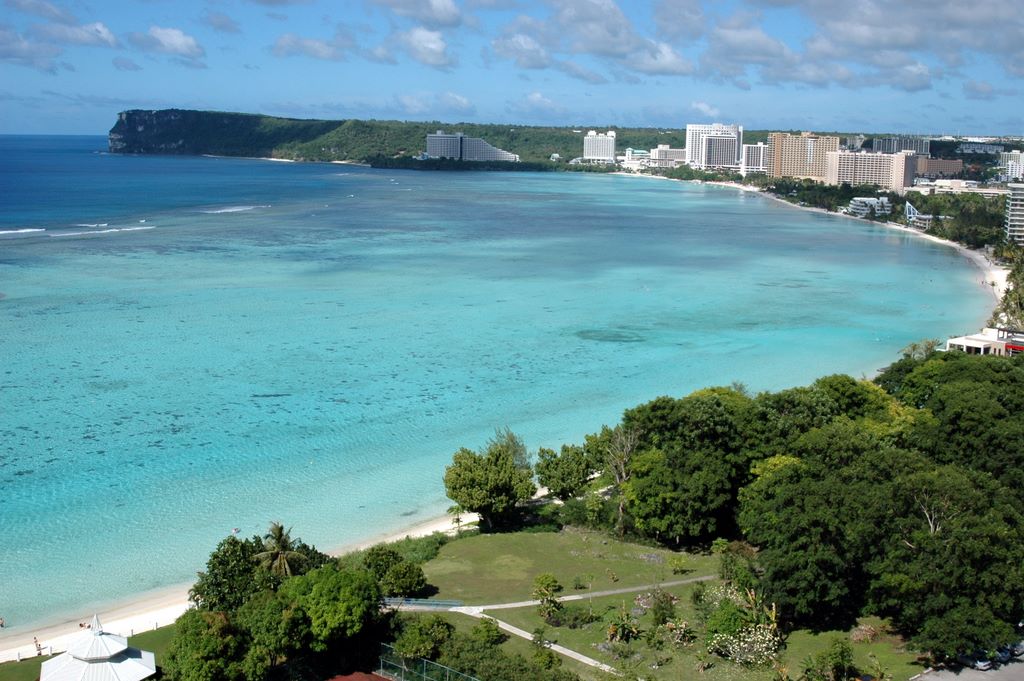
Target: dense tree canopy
[[492, 483]]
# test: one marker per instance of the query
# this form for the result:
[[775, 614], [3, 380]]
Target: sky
[[916, 66]]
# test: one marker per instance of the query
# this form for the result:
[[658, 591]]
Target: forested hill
[[179, 131]]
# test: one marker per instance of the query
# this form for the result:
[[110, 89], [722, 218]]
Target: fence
[[421, 603], [394, 666]]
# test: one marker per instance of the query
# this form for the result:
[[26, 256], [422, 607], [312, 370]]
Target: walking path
[[479, 611]]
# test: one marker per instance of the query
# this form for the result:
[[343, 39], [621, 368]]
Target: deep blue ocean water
[[190, 345]]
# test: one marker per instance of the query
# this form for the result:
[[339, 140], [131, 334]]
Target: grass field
[[500, 568], [155, 641]]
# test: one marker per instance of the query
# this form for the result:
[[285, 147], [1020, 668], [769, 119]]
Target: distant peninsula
[[379, 143]]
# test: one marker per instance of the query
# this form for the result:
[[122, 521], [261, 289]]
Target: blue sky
[[936, 66]]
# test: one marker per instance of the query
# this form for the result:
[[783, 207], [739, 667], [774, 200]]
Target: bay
[[192, 345]]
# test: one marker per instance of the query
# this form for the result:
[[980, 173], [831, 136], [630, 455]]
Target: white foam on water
[[232, 209], [20, 231], [91, 224], [100, 231]]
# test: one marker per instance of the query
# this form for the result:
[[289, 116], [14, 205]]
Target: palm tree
[[279, 552]]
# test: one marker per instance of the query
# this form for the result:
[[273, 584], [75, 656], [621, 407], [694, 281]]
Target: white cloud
[[523, 49], [15, 49], [429, 12], [449, 101], [172, 41], [335, 49], [678, 19], [87, 34], [705, 109], [426, 46], [659, 59], [43, 9]]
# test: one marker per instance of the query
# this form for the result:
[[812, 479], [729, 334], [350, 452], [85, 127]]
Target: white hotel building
[[714, 146], [599, 147], [462, 148], [1015, 214]]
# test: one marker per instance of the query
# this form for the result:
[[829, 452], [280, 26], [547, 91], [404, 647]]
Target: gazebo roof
[[96, 655], [96, 644]]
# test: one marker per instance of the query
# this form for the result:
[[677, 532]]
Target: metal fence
[[421, 603], [394, 666]]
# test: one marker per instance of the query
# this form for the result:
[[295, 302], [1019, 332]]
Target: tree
[[622, 443], [279, 553], [339, 603], [563, 474], [423, 636], [277, 629], [232, 576], [546, 589], [491, 483], [951, 575], [205, 647], [403, 579]]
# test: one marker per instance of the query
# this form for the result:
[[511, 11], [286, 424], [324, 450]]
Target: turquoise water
[[310, 343]]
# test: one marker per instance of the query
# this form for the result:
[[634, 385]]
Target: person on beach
[[3, 623]]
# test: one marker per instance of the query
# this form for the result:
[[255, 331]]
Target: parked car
[[1002, 654], [978, 660], [1017, 649]]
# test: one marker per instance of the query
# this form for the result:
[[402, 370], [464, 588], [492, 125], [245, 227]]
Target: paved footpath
[[478, 611]]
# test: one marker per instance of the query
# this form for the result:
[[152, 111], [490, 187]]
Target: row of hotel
[[892, 164]]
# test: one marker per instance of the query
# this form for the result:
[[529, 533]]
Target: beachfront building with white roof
[[664, 156], [599, 147], [1000, 342], [754, 159], [714, 145], [1015, 213], [462, 148], [868, 206], [889, 171]]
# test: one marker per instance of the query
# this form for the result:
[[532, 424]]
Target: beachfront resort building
[[1001, 342], [979, 148], [890, 145], [801, 156], [1015, 213], [755, 159], [1011, 163], [889, 171], [667, 157], [599, 147], [869, 206], [461, 148], [714, 146]]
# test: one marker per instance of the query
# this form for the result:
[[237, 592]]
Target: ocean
[[191, 345]]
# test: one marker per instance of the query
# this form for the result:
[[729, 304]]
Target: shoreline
[[994, 276], [161, 607]]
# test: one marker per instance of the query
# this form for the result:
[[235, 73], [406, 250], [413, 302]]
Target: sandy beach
[[162, 607]]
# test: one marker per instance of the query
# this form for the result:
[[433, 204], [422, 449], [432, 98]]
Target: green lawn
[[28, 670], [498, 568], [681, 662]]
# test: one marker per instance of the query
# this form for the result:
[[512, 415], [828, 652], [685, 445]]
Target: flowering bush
[[752, 646]]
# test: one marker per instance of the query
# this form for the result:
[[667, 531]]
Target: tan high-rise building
[[802, 156], [889, 171]]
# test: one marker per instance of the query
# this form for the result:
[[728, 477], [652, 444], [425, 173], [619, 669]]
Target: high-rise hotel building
[[803, 156], [599, 147], [462, 148], [889, 171], [1015, 213], [714, 146]]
